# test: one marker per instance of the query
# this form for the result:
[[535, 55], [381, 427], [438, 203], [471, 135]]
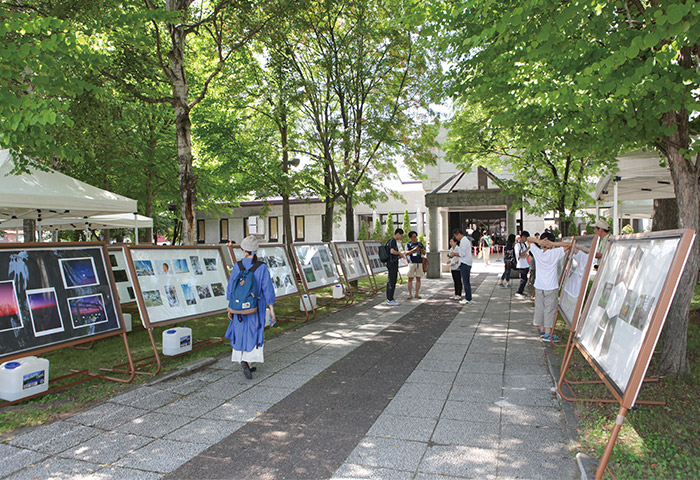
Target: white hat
[[600, 223], [250, 244]]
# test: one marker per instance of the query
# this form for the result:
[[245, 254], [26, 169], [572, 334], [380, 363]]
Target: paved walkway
[[426, 390]]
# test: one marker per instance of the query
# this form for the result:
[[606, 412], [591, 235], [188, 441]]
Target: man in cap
[[602, 229]]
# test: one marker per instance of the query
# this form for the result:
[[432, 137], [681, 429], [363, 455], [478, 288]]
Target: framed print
[[628, 303], [351, 260], [10, 317], [44, 312], [78, 272], [55, 294], [371, 251], [577, 272], [122, 274], [316, 264], [176, 283], [87, 311]]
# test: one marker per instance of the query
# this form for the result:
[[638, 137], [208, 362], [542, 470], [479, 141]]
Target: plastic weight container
[[177, 340], [23, 377], [338, 291], [308, 301]]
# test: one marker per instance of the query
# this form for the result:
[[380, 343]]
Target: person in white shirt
[[453, 262], [465, 263], [547, 254]]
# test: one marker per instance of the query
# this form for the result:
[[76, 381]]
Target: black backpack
[[509, 258], [384, 255]]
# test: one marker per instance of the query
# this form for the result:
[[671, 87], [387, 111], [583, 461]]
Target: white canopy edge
[[95, 222], [640, 178], [47, 194]]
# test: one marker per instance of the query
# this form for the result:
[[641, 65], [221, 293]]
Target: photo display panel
[[176, 283], [350, 256], [281, 271], [371, 249], [622, 302], [122, 275], [576, 275], [317, 265], [55, 293]]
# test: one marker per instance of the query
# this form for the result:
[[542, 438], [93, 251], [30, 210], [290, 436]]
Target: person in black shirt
[[394, 250]]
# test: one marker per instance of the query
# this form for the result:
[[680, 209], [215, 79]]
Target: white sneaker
[[454, 297], [392, 303], [465, 302]]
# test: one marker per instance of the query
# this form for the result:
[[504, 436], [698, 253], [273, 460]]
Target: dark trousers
[[506, 275], [457, 279], [523, 279], [465, 270], [391, 281]]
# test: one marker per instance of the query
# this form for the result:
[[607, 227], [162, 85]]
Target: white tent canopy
[[95, 222], [639, 178], [43, 195]]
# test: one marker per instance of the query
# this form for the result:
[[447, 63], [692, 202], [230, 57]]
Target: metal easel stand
[[568, 355], [141, 364], [79, 376]]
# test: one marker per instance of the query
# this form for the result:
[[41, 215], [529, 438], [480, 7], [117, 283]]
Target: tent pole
[[616, 226], [136, 229]]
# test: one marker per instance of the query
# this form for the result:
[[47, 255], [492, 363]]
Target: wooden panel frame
[[286, 258], [145, 319], [121, 330], [339, 258], [628, 395], [301, 270], [120, 248], [370, 243], [584, 279]]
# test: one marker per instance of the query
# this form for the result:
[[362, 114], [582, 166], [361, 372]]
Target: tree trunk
[[286, 211], [327, 234], [350, 219], [563, 222], [674, 341], [665, 216], [183, 125], [29, 227]]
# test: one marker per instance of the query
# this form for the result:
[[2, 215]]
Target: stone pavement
[[425, 390]]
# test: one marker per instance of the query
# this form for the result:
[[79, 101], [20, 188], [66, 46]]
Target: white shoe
[[392, 303], [465, 302]]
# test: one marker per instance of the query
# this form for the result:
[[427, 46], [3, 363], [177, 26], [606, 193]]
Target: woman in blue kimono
[[247, 336]]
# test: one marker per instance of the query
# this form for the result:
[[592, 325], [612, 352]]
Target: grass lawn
[[656, 442], [109, 352]]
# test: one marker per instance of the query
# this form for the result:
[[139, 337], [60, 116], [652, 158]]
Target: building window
[[223, 230], [200, 231], [246, 228], [274, 229], [299, 228]]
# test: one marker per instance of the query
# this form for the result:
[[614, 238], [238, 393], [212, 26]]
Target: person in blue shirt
[[414, 253], [247, 332]]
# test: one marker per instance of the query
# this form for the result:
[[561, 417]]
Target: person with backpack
[[486, 243], [393, 251], [250, 291], [509, 260]]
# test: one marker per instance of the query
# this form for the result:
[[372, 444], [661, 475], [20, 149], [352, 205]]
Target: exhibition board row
[[616, 322], [64, 294]]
